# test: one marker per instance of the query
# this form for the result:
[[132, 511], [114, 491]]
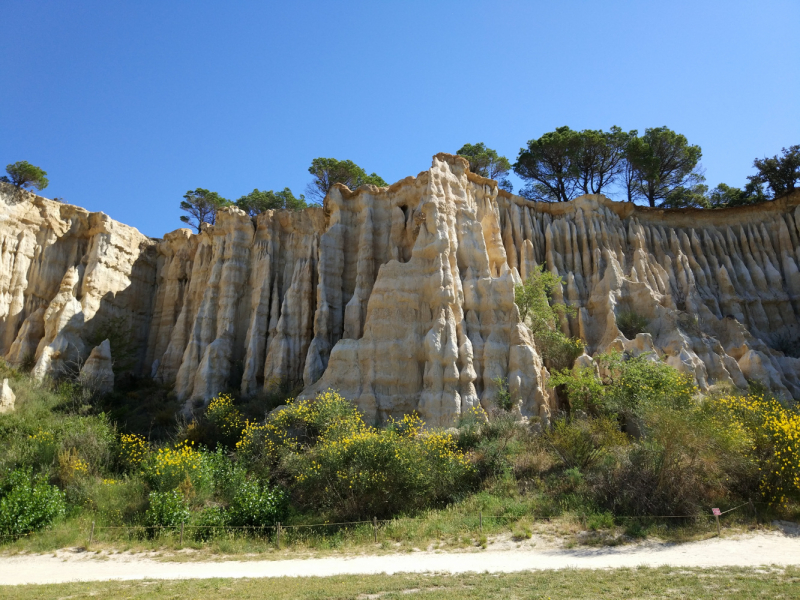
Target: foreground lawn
[[664, 582]]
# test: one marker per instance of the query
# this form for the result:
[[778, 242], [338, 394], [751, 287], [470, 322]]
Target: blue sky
[[127, 105]]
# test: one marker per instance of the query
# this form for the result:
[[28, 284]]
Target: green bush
[[166, 509], [580, 443], [631, 323], [257, 505], [583, 389], [210, 522], [686, 462], [533, 298], [28, 503], [635, 384], [228, 476], [504, 400], [502, 438]]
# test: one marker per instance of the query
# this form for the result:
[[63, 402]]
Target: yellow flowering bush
[[226, 418], [774, 430], [43, 446], [358, 471], [133, 449], [170, 468], [71, 466], [301, 424]]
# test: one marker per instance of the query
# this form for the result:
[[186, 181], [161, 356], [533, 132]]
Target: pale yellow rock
[[97, 372], [402, 298], [7, 398]]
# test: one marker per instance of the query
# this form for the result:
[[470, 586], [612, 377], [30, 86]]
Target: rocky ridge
[[402, 298]]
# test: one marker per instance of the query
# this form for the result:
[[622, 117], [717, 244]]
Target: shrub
[[359, 471], [582, 387], [133, 449], [686, 462], [228, 476], [71, 466], [504, 400], [533, 298], [775, 433], [580, 443], [166, 509], [501, 439], [257, 505], [169, 468], [117, 501], [210, 522], [634, 383], [43, 448], [631, 323], [470, 427], [301, 424], [28, 503], [225, 419]]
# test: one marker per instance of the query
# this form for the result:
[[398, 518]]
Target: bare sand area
[[780, 547]]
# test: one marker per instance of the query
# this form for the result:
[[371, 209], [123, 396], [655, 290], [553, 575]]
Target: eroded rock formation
[[402, 298]]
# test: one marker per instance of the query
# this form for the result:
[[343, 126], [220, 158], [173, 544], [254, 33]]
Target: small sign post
[[716, 512]]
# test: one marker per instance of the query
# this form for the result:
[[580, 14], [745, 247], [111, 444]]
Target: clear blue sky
[[129, 104]]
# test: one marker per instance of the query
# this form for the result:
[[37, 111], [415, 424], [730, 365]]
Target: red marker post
[[716, 512]]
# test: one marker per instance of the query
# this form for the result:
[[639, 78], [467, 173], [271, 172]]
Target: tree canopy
[[780, 173], [663, 162], [547, 165], [257, 201], [488, 163], [25, 175], [202, 206], [328, 171]]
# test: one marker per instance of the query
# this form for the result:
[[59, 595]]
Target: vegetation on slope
[[638, 443]]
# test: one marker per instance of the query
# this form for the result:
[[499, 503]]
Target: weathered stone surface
[[7, 398], [110, 269], [97, 372], [402, 297]]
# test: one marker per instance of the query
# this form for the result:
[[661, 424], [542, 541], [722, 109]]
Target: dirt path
[[770, 548]]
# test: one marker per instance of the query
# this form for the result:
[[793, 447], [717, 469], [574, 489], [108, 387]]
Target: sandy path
[[772, 548]]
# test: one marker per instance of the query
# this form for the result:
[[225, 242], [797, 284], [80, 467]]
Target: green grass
[[663, 582]]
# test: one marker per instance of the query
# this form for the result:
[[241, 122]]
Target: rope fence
[[278, 528]]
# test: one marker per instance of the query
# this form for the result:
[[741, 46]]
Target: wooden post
[[753, 508], [278, 535], [375, 528], [181, 542], [480, 521], [583, 520], [719, 533], [91, 534]]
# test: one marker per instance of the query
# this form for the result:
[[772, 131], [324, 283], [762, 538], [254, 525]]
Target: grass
[[643, 582], [456, 528]]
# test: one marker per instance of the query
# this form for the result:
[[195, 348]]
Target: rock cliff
[[402, 298]]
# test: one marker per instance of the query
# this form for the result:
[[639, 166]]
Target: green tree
[[663, 161], [202, 207], [724, 196], [683, 197], [25, 175], [488, 163], [780, 173], [548, 166], [328, 171], [533, 298], [599, 158], [257, 201]]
